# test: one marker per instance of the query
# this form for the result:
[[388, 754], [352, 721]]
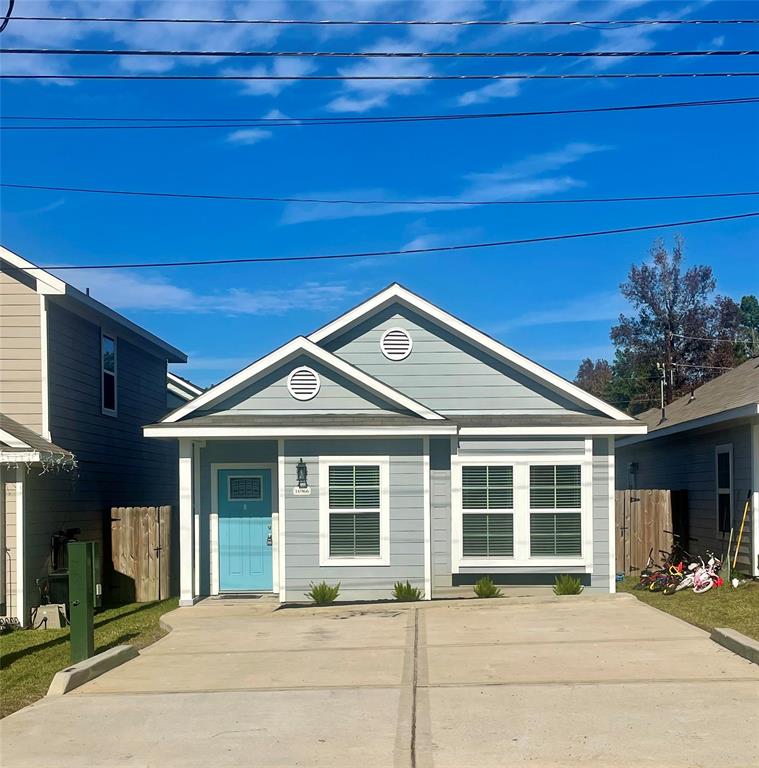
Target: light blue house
[[395, 443]]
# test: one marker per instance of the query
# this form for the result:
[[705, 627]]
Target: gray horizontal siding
[[443, 371], [270, 395], [406, 520], [601, 577], [687, 462], [519, 446], [440, 509]]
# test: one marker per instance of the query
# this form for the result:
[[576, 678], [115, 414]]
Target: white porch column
[[427, 512], [755, 499], [186, 525]]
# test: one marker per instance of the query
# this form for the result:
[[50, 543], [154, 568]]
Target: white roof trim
[[743, 411], [397, 292], [12, 441], [180, 387], [20, 457], [242, 432], [50, 285], [621, 429], [280, 356]]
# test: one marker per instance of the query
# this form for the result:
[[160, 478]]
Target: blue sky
[[554, 302]]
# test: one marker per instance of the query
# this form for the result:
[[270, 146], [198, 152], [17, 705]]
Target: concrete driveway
[[602, 681]]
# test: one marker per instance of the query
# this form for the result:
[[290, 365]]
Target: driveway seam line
[[414, 681]]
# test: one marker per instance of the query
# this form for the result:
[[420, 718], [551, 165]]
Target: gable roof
[[181, 387], [292, 349], [397, 293], [50, 285], [731, 395]]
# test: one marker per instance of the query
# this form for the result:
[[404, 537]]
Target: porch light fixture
[[302, 473]]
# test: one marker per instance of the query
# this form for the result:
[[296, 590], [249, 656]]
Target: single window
[[555, 534], [108, 374], [354, 510], [724, 488], [245, 488], [555, 487]]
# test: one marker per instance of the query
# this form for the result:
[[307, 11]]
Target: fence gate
[[643, 522], [141, 553]]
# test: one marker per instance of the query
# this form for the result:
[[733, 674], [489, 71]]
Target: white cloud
[[522, 179], [248, 136], [127, 290], [500, 89], [277, 68], [596, 307]]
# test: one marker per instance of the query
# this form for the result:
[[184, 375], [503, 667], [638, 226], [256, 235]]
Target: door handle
[[268, 540]]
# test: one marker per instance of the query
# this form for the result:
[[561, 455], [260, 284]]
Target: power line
[[407, 251], [353, 201], [395, 22], [278, 122], [706, 367], [306, 78], [8, 14], [374, 54], [703, 338]]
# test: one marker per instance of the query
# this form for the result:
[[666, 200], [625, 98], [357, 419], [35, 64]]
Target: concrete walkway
[[542, 682]]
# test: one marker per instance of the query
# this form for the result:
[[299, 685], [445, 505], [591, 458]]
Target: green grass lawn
[[29, 658], [720, 607]]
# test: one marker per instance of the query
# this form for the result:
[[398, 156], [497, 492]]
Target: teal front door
[[245, 536]]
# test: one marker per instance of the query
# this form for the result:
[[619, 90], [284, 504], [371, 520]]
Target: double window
[[522, 511], [487, 496], [724, 470], [354, 512], [108, 374]]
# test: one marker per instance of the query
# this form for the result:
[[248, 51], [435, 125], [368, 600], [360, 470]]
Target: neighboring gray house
[[397, 442], [179, 391], [77, 383], [708, 445]]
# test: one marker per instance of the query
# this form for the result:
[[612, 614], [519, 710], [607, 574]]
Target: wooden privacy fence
[[644, 520], [141, 553]]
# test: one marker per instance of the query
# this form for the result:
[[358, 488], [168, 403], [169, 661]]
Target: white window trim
[[718, 491], [521, 511], [251, 498], [109, 411], [384, 509], [214, 521]]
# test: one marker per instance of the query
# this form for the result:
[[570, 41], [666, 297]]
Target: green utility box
[[84, 595]]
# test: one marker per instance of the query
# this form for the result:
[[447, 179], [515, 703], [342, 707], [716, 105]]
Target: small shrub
[[323, 593], [567, 585], [405, 593], [486, 588]]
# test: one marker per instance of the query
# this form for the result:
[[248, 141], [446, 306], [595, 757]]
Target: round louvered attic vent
[[303, 383], [396, 344]]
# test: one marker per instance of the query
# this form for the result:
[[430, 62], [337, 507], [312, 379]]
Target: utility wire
[[395, 22], [8, 14], [276, 122], [406, 251], [294, 78], [707, 367], [374, 54], [703, 338], [353, 201]]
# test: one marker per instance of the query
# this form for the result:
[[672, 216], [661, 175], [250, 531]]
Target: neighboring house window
[[354, 512], [108, 374], [724, 488], [487, 528], [555, 533]]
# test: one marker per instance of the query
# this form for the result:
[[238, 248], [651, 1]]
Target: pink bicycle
[[699, 576]]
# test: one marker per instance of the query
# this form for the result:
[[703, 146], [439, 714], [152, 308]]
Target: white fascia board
[[743, 411], [181, 383], [20, 457], [12, 440], [49, 283], [481, 340], [612, 429], [242, 432], [174, 389], [278, 357]]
